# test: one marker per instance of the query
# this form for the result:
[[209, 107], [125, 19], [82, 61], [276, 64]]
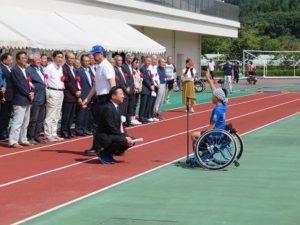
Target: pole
[[187, 129]]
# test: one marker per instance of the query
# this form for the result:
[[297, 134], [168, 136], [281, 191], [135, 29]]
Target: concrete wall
[[179, 45]]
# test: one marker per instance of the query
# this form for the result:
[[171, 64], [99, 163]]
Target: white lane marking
[[173, 118], [133, 177], [147, 143]]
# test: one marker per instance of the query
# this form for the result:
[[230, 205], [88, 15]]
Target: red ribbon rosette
[[62, 79], [46, 77], [117, 78], [78, 79], [133, 72], [126, 75], [142, 76], [29, 81]]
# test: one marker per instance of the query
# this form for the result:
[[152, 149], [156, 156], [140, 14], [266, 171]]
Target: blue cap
[[97, 49]]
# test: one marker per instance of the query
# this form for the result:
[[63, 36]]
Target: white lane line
[[134, 177], [147, 143], [173, 118]]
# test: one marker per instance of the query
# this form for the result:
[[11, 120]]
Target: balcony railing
[[206, 7]]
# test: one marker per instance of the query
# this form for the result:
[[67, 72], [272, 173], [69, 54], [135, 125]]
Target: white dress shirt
[[23, 71], [104, 72], [38, 70], [54, 73]]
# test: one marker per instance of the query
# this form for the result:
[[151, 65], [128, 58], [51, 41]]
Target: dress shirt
[[72, 70], [88, 75], [54, 76], [104, 72], [121, 71], [23, 71], [39, 71]]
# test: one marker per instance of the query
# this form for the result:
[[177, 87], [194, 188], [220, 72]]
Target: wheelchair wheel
[[215, 149], [199, 86], [239, 145]]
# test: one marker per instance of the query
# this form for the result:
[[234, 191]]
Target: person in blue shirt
[[218, 116]]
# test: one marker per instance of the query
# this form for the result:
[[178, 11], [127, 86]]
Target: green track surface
[[264, 190]]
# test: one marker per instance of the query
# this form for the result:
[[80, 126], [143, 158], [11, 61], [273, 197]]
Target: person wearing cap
[[218, 116], [104, 81]]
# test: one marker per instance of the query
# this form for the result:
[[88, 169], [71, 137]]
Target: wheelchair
[[217, 149], [199, 84]]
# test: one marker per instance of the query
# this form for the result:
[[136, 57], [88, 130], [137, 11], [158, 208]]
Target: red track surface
[[29, 185]]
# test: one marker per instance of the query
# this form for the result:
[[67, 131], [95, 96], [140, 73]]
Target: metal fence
[[206, 7]]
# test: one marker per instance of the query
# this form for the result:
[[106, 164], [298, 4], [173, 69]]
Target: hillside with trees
[[265, 25]]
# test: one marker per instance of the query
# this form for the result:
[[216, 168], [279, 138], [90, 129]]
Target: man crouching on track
[[218, 116], [111, 138]]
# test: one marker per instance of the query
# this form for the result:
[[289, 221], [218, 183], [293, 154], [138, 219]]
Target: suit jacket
[[84, 82], [120, 81], [20, 86], [129, 78], [9, 94], [39, 85], [70, 85], [2, 79], [109, 124], [147, 81]]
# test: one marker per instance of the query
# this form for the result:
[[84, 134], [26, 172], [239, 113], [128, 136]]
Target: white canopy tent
[[9, 38], [50, 30], [114, 34]]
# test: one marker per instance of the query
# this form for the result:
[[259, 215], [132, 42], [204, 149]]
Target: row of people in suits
[[25, 95]]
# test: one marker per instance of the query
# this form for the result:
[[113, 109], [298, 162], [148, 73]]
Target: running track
[[35, 179]]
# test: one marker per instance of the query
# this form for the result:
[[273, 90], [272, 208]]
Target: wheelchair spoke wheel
[[239, 145], [215, 149]]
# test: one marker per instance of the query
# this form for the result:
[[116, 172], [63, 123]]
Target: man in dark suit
[[6, 105], [111, 138], [23, 97], [71, 94], [121, 81], [83, 124], [38, 108], [128, 70], [147, 88], [2, 87]]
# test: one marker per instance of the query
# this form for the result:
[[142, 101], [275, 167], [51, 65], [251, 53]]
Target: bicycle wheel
[[215, 149]]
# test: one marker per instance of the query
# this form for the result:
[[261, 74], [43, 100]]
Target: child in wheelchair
[[218, 116]]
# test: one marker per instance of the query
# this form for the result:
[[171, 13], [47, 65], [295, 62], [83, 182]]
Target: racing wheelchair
[[217, 149]]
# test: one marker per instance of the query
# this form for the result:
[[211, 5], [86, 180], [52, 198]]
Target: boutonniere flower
[[29, 82], [78, 79], [126, 75], [133, 72]]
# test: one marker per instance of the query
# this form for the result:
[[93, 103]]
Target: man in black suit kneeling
[[111, 137]]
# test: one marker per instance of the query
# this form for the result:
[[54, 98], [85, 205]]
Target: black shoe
[[90, 152], [106, 159], [80, 134], [39, 140], [88, 133]]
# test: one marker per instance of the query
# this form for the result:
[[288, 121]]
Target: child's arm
[[210, 82]]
